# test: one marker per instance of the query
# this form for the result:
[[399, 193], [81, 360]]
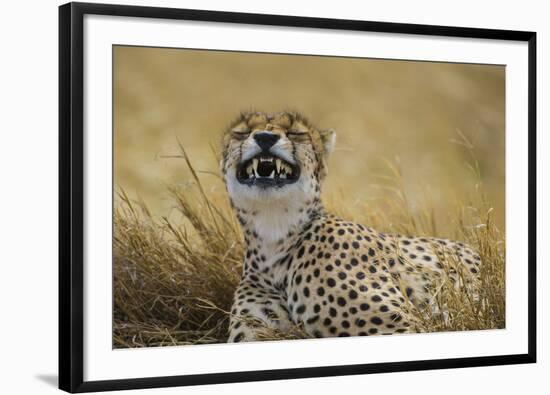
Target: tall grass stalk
[[174, 277]]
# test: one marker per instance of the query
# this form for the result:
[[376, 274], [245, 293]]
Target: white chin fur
[[276, 208]]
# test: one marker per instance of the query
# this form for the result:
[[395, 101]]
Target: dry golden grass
[[174, 279]]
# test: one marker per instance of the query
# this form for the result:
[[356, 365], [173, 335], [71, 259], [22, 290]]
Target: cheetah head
[[274, 158]]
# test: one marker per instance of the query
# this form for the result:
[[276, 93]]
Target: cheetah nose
[[266, 140]]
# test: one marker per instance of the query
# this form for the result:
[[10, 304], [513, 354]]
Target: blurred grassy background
[[380, 109]]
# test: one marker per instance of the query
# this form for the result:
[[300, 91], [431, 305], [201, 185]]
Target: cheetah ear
[[328, 137]]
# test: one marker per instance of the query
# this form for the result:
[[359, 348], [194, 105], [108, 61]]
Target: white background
[[28, 198]]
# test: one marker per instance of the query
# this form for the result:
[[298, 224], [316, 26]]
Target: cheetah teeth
[[281, 168]]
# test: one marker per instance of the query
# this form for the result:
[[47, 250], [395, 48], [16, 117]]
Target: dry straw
[[174, 278]]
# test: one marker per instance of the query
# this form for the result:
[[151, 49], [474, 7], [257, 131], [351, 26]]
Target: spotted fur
[[304, 266]]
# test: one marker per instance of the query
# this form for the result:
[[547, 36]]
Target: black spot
[[342, 276], [396, 317], [332, 312], [341, 232], [384, 308], [376, 320], [376, 298], [301, 309], [345, 324], [373, 331], [331, 282], [239, 337], [301, 252], [298, 279], [364, 306], [427, 258], [353, 294], [341, 301], [372, 269], [320, 291], [360, 322], [306, 292], [364, 258], [327, 321], [409, 291], [372, 252], [313, 319], [360, 275], [316, 308]]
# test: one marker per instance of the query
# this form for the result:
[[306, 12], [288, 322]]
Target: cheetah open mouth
[[266, 170]]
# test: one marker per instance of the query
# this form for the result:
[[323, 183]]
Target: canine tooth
[[249, 170], [255, 164], [272, 175], [278, 165]]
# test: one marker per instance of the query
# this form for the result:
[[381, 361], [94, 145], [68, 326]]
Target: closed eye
[[240, 134], [297, 135]]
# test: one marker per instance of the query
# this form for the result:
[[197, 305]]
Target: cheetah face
[[271, 158], [271, 166]]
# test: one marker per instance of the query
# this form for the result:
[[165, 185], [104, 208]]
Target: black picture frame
[[71, 197]]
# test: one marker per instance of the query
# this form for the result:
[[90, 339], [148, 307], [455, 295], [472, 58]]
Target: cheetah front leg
[[255, 309]]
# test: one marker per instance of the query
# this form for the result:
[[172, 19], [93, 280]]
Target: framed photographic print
[[258, 197]]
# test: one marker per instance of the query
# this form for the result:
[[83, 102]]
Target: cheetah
[[304, 266]]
